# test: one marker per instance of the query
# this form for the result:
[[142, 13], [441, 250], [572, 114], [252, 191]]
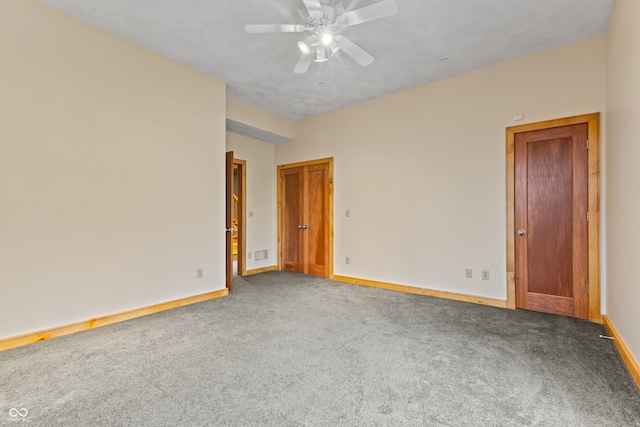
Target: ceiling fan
[[324, 24]]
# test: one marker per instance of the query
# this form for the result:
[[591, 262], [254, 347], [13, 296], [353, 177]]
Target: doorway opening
[[235, 217], [533, 236], [239, 217]]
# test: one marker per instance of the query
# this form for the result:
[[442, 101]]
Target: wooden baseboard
[[260, 270], [422, 291], [625, 354], [47, 334]]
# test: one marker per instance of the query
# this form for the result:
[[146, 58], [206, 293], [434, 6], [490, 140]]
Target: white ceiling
[[428, 40]]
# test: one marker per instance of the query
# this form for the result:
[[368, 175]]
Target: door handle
[[231, 230], [303, 227], [522, 232]]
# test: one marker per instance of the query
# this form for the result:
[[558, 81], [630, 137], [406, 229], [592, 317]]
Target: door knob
[[522, 232], [303, 227]]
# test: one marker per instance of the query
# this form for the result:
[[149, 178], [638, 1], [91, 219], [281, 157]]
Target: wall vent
[[261, 255]]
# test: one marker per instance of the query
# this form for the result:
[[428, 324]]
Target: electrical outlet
[[468, 273], [199, 273], [485, 275], [249, 255], [347, 260]]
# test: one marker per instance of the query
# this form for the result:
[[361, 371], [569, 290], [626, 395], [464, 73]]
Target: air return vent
[[261, 255]]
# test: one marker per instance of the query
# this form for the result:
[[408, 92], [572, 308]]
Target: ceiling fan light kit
[[326, 38], [305, 45], [326, 27], [335, 48], [321, 55]]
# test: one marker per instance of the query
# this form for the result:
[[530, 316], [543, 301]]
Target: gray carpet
[[290, 350]]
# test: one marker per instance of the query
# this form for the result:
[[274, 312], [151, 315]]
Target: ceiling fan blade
[[313, 7], [358, 54], [381, 9], [303, 63], [273, 28]]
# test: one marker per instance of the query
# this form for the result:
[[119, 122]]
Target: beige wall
[[111, 173], [261, 199], [255, 117], [623, 173], [423, 171]]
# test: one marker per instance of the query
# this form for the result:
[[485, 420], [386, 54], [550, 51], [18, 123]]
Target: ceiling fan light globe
[[305, 45], [321, 55], [335, 49], [326, 38], [304, 48]]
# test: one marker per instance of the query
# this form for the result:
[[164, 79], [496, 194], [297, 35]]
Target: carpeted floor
[[290, 350]]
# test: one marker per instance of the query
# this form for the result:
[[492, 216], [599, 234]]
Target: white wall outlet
[[485, 275], [347, 260], [199, 273], [468, 273], [249, 254]]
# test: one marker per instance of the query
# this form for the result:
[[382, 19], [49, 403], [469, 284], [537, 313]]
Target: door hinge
[[587, 144], [588, 288], [587, 216]]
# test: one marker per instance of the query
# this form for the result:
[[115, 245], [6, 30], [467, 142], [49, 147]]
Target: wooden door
[[551, 220], [315, 233], [229, 219], [292, 190], [305, 212]]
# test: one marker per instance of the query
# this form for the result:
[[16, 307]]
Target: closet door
[[316, 221], [292, 218], [305, 218]]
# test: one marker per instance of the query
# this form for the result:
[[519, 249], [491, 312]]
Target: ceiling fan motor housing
[[328, 18]]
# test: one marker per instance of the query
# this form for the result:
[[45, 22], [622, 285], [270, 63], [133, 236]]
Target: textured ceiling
[[428, 40]]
